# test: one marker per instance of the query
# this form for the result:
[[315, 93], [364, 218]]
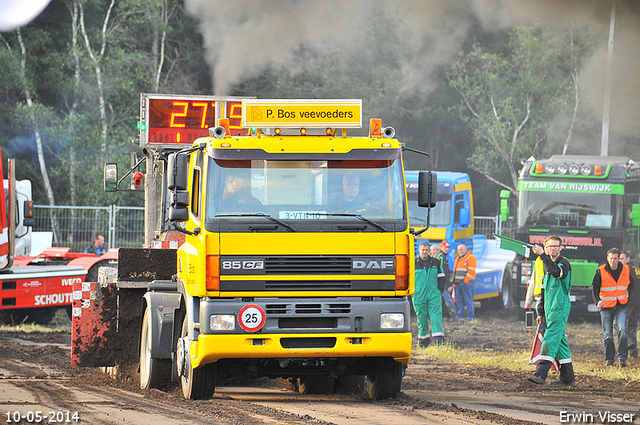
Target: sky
[[244, 37]]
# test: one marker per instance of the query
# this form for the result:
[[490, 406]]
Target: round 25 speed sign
[[252, 317]]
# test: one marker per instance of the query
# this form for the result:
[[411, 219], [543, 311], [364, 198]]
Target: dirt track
[[35, 376]]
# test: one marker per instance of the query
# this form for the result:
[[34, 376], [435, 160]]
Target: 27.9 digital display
[[184, 120]]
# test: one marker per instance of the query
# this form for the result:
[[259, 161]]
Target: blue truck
[[453, 219]]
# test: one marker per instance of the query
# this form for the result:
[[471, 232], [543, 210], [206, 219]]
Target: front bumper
[[211, 348]]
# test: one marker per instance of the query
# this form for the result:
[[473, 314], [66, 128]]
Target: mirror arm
[[128, 173]]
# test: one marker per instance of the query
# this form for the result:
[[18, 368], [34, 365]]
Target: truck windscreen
[[305, 190], [440, 214], [570, 210]]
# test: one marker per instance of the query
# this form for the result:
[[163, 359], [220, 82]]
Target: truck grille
[[307, 265], [307, 308]]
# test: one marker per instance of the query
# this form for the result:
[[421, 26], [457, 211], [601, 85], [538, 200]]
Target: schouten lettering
[[51, 299], [373, 264]]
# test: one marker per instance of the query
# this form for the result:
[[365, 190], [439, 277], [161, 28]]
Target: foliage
[[66, 96], [512, 99]]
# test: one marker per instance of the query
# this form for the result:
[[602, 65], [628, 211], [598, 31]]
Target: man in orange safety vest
[[612, 285]]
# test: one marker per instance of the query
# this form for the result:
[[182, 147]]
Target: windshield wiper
[[358, 216], [267, 216]]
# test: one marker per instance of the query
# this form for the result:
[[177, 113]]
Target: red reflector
[[402, 272], [213, 272]]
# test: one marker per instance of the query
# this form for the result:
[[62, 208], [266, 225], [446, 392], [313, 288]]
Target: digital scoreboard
[[167, 119]]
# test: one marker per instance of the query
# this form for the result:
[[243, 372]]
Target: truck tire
[[200, 383], [316, 384], [507, 296], [384, 379], [154, 373]]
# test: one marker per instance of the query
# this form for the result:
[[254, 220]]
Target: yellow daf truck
[[297, 259]]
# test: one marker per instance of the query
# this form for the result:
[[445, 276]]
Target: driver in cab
[[351, 200], [237, 198]]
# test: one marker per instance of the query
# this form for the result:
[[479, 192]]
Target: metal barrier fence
[[75, 227], [123, 227], [487, 225], [492, 224]]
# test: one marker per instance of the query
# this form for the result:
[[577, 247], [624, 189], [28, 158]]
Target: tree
[[511, 99]]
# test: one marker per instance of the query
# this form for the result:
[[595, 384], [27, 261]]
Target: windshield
[[440, 214], [571, 210], [305, 190]]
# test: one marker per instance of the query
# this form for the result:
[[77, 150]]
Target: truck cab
[[452, 220], [296, 255], [590, 202]]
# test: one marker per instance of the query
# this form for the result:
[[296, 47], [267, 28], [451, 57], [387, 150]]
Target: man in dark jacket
[[553, 308], [427, 298], [633, 308], [97, 247]]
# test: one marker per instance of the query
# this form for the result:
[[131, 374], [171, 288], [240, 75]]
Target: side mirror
[[504, 205], [427, 189], [177, 184], [635, 215], [465, 217], [177, 172], [110, 177]]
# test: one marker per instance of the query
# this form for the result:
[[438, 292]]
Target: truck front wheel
[[154, 373], [197, 384], [384, 379]]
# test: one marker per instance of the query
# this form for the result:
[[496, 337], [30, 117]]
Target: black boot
[[424, 342], [567, 376], [453, 313], [542, 370], [438, 340]]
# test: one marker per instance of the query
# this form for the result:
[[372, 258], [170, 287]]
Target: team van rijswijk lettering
[[281, 113], [604, 417]]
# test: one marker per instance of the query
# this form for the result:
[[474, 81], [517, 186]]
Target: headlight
[[392, 321], [222, 322]]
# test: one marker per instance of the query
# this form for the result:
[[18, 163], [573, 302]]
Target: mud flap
[[105, 325], [107, 316]]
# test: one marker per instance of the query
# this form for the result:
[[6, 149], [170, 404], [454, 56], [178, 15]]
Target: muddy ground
[[425, 387]]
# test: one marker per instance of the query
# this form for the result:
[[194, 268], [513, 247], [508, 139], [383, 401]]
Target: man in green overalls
[[554, 308], [427, 298]]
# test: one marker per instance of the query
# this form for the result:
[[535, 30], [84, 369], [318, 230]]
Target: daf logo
[[372, 264]]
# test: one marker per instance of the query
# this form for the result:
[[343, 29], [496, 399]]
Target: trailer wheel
[[384, 379], [200, 383], [316, 384], [154, 373]]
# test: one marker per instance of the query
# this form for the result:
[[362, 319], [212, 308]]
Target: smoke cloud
[[244, 37]]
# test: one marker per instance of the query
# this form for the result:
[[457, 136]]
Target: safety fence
[[123, 227], [490, 225], [75, 227]]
